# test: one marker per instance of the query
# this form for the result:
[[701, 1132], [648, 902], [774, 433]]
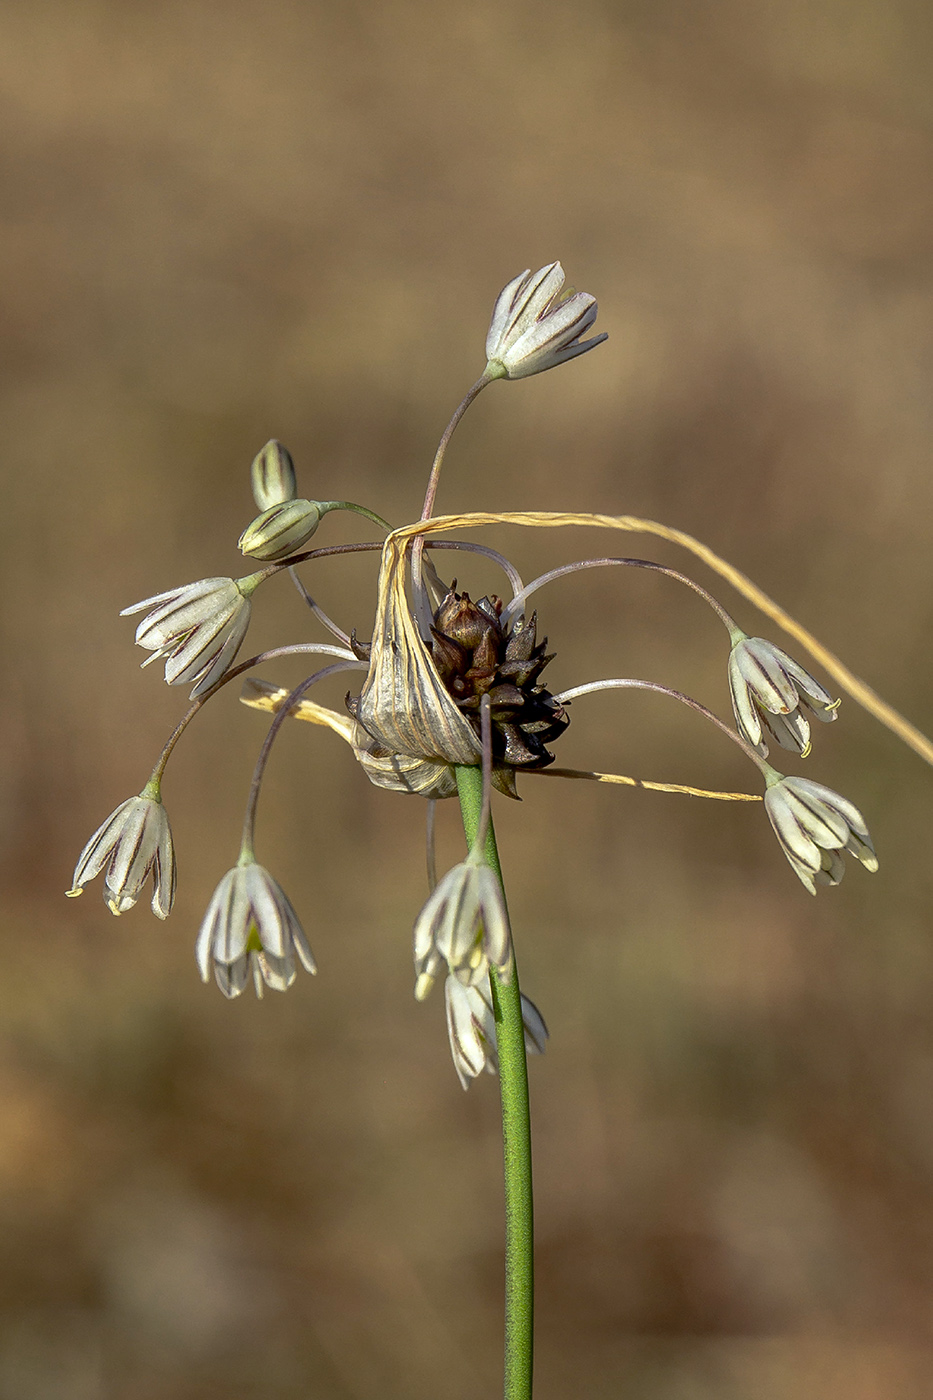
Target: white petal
[[94, 857], [467, 1015], [497, 943], [746, 716], [263, 894], [761, 664], [536, 1032]]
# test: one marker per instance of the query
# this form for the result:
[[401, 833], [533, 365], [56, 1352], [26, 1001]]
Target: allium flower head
[[465, 925], [770, 691], [424, 701], [134, 842], [471, 1027], [273, 476], [280, 530], [197, 629], [813, 824], [534, 329], [250, 927]]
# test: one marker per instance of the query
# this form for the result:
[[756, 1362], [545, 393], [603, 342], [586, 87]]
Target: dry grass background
[[224, 222]]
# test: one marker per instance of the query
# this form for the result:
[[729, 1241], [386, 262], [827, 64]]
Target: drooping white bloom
[[813, 824], [771, 691], [471, 1026], [133, 842], [250, 927], [280, 530], [196, 629], [273, 476], [464, 924], [534, 329]]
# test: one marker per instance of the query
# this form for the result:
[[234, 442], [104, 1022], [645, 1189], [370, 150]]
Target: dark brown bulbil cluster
[[476, 656]]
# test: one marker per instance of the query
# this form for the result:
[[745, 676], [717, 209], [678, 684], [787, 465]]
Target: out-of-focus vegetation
[[224, 222]]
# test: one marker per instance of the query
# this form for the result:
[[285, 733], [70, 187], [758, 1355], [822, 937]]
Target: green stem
[[326, 506], [516, 1132]]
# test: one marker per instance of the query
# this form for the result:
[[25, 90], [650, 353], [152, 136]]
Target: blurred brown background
[[224, 222]]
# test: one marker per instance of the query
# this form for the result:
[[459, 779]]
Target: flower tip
[[74, 892], [114, 908], [423, 985]]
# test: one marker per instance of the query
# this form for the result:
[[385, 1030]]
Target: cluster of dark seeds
[[476, 656]]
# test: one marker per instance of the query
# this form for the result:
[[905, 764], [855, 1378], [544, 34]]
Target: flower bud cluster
[[450, 683]]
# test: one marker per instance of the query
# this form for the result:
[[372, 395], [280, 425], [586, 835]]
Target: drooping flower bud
[[251, 927], [133, 842], [814, 824], [280, 530], [771, 692], [273, 476], [464, 924]]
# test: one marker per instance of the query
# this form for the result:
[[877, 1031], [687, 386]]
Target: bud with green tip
[[273, 476], [281, 529]]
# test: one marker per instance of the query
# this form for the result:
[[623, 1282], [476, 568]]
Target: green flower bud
[[273, 476], [280, 530]]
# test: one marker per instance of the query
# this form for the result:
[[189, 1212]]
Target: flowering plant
[[452, 700]]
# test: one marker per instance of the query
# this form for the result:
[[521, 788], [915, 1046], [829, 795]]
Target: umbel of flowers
[[450, 683]]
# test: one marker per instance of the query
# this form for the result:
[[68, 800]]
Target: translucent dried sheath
[[404, 705]]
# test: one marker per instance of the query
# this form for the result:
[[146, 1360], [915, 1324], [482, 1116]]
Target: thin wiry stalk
[[507, 567], [623, 781], [519, 600], [624, 683], [249, 819], [318, 611], [422, 606], [431, 844], [298, 648]]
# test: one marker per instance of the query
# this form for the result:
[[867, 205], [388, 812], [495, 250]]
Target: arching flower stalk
[[453, 701]]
